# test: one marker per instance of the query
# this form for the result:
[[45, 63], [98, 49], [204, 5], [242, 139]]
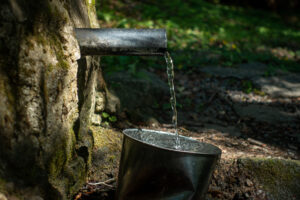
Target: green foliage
[[201, 33], [247, 86], [279, 177], [112, 118], [105, 115], [259, 92], [107, 118]]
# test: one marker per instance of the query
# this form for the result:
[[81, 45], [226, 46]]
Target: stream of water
[[170, 72]]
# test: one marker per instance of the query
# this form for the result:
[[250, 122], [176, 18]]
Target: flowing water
[[170, 72], [167, 140]]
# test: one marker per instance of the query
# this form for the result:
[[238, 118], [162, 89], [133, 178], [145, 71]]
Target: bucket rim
[[217, 153]]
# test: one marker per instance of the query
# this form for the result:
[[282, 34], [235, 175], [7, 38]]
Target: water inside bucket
[[152, 168], [170, 73], [168, 141]]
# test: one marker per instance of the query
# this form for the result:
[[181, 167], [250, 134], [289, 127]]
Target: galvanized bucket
[[151, 168]]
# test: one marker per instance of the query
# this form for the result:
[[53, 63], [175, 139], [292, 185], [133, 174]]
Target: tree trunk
[[47, 98]]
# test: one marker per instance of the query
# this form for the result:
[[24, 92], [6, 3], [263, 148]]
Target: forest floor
[[237, 82], [240, 110]]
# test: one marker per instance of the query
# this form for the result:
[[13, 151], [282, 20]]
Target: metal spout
[[107, 41]]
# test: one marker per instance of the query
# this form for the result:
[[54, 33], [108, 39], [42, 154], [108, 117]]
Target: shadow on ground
[[257, 129]]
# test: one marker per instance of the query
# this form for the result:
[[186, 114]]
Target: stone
[[292, 147], [242, 71], [2, 196], [280, 178], [283, 84], [107, 152], [230, 130], [113, 102], [280, 86], [152, 122], [96, 119], [100, 102], [263, 113]]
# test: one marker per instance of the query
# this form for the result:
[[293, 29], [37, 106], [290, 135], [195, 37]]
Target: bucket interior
[[167, 141]]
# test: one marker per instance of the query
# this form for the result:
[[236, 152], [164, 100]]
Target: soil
[[234, 115]]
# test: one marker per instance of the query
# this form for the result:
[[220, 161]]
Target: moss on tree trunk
[[45, 101]]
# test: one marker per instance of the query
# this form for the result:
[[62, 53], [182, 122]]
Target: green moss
[[51, 20], [63, 64], [46, 16], [71, 141], [57, 162], [50, 68], [2, 185], [6, 91], [43, 33], [106, 138], [57, 43], [107, 151], [91, 9], [70, 177], [90, 2], [280, 178], [63, 154], [29, 44], [66, 170], [76, 173], [259, 92], [59, 17], [41, 39]]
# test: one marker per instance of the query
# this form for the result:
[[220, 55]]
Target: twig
[[211, 98], [183, 129], [256, 142], [167, 125], [105, 183]]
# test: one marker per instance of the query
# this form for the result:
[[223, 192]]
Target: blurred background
[[212, 32]]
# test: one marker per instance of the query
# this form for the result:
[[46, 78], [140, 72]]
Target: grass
[[202, 33]]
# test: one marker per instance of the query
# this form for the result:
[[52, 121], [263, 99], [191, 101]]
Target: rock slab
[[282, 84], [279, 86], [279, 177]]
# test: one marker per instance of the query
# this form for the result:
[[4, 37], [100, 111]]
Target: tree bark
[[47, 97]]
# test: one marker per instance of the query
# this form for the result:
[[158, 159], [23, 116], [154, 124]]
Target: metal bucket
[[151, 168]]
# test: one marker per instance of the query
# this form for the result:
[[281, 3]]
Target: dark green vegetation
[[202, 33]]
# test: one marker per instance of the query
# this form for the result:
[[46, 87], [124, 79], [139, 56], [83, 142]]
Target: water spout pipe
[[115, 41]]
